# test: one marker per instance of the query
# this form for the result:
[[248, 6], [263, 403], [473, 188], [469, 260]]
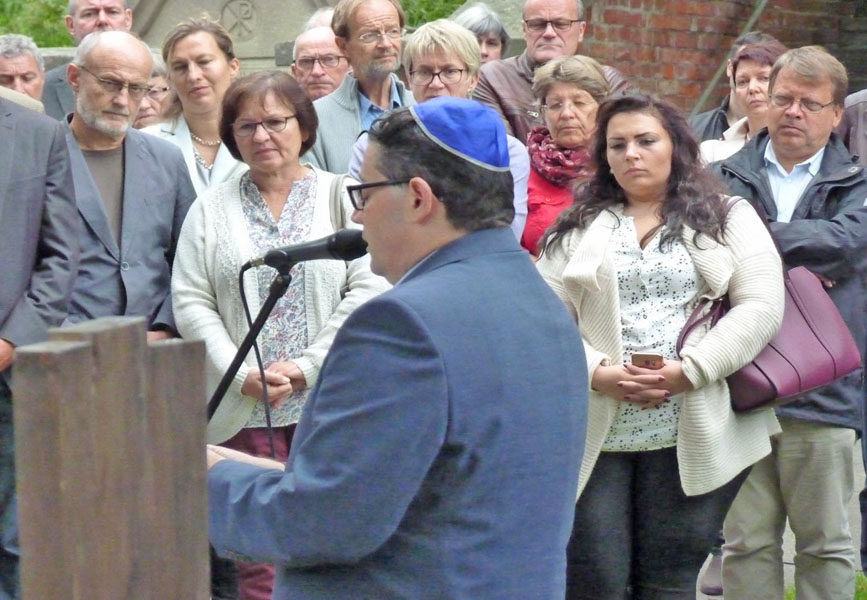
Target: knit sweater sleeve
[[756, 296]]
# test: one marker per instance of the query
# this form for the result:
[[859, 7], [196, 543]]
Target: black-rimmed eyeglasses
[[538, 25], [328, 61], [272, 125], [357, 198]]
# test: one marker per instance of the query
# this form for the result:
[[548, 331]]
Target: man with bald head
[[83, 17], [133, 189], [552, 29], [318, 64]]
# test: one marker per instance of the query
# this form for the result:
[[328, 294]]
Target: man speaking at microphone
[[438, 454]]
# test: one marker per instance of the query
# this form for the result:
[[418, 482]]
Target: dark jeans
[[637, 535], [9, 586]]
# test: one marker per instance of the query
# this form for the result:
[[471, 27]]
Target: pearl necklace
[[204, 142]]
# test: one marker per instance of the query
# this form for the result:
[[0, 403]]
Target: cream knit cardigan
[[213, 245], [713, 443]]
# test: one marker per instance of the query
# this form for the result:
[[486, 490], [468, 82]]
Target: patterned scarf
[[557, 165]]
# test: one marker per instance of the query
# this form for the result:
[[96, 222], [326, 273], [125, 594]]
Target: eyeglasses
[[329, 61], [113, 86], [359, 201], [808, 106], [157, 92], [395, 33], [557, 107], [539, 25], [446, 76], [248, 128]]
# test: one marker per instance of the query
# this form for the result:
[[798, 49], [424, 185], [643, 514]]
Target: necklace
[[204, 142]]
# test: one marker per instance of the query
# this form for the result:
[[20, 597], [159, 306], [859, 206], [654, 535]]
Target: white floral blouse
[[656, 286], [285, 333]]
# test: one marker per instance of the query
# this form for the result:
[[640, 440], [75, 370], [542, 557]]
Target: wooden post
[[121, 430]]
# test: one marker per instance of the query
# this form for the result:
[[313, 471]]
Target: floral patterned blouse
[[656, 287], [285, 333]]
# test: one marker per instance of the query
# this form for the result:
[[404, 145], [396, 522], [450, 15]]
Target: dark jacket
[[506, 86], [828, 235], [711, 124], [853, 126]]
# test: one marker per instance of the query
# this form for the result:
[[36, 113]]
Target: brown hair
[[346, 8], [259, 85], [814, 63], [184, 29], [578, 70], [764, 53]]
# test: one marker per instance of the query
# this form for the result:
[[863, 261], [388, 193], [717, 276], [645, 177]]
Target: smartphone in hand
[[648, 360]]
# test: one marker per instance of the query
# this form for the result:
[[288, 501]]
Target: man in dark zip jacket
[[800, 174]]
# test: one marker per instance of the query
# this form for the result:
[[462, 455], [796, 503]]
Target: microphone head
[[347, 244]]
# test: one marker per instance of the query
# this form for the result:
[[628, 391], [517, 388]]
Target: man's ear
[[424, 201], [72, 75]]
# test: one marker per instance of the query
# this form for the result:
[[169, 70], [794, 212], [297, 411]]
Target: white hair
[[12, 45]]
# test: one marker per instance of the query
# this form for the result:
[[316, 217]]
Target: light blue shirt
[[788, 188], [370, 112]]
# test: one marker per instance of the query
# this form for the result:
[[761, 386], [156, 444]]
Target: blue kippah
[[465, 128]]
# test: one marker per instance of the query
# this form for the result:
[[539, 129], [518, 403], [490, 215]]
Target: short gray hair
[[579, 8], [91, 40], [160, 69], [12, 45], [481, 20], [318, 14], [70, 10]]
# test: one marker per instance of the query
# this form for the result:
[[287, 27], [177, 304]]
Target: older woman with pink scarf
[[568, 91]]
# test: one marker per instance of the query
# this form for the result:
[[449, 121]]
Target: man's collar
[[394, 102], [812, 164]]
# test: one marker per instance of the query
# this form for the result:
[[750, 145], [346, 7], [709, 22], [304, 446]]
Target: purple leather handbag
[[812, 348]]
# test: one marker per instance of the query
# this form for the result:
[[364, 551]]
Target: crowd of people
[[496, 401]]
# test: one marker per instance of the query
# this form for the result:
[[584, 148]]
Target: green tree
[[419, 12], [40, 19]]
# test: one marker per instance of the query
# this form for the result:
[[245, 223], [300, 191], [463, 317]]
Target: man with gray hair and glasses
[[133, 189], [552, 29], [370, 34], [82, 18], [813, 192], [21, 66], [317, 63]]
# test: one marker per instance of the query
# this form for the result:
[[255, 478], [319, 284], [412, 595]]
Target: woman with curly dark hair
[[649, 235]]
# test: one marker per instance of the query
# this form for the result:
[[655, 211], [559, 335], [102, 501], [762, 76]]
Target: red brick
[[622, 17], [672, 22]]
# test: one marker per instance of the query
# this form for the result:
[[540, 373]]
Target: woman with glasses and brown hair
[[568, 91], [201, 62], [268, 122]]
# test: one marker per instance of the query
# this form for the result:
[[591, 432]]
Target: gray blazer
[[133, 277], [57, 96], [340, 125], [38, 225]]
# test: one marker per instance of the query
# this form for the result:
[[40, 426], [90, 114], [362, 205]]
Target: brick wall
[[673, 47]]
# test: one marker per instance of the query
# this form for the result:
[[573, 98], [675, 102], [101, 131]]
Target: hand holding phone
[[648, 360]]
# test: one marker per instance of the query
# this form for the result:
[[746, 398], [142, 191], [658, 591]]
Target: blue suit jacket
[[57, 97], [133, 277], [438, 456]]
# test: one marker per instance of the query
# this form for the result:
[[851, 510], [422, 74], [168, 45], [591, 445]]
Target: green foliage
[[423, 11], [40, 19], [860, 589]]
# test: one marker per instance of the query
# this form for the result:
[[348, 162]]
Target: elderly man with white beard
[[369, 33], [133, 189]]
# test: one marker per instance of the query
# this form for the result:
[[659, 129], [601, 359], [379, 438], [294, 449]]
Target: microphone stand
[[277, 290]]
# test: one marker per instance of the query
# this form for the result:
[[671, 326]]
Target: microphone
[[345, 244]]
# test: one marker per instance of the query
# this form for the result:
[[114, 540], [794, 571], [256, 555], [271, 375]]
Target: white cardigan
[[713, 443], [213, 245], [225, 167]]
